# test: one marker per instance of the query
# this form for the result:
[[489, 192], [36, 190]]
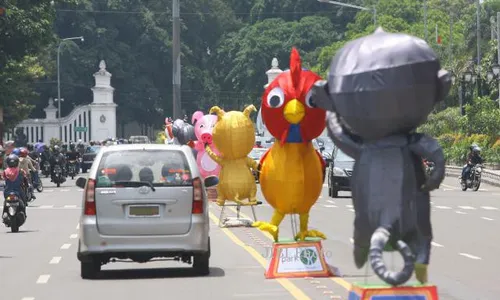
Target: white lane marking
[[443, 207], [65, 246], [489, 208], [351, 240], [45, 206], [69, 206], [444, 189], [470, 256], [466, 207], [80, 190], [330, 201], [449, 186], [351, 209], [325, 185], [78, 226], [460, 212], [436, 245], [55, 260], [496, 194], [28, 298], [484, 190], [64, 190], [48, 190], [487, 219], [330, 206], [432, 202], [73, 236], [43, 279], [349, 206]]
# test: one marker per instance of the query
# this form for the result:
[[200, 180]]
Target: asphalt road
[[39, 263]]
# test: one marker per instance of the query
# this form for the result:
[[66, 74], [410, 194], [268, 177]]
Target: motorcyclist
[[13, 177], [473, 158], [57, 158], [26, 164], [44, 154], [64, 149], [73, 154], [9, 146], [80, 147]]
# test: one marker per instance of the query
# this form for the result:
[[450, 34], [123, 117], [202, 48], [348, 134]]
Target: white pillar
[[273, 72], [103, 108], [50, 124]]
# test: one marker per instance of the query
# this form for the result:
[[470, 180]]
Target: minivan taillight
[[90, 209], [197, 196]]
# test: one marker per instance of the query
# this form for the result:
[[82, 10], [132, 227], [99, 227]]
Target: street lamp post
[[373, 10], [59, 99], [467, 77]]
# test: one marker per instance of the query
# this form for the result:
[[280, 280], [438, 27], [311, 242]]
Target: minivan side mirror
[[211, 181], [80, 182]]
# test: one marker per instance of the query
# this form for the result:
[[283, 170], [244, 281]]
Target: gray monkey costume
[[380, 89]]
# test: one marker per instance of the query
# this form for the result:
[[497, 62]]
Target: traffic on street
[[43, 253]]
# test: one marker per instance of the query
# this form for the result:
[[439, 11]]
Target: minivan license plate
[[144, 211]]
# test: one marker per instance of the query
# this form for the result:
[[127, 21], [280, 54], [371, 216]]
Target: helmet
[[476, 149], [72, 146], [65, 146], [16, 151], [12, 161], [30, 147], [80, 141], [9, 144], [56, 148], [473, 146], [23, 152]]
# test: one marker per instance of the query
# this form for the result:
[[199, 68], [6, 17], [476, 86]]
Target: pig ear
[[167, 121], [248, 110], [196, 116]]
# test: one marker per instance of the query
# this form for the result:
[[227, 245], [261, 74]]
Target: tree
[[24, 32]]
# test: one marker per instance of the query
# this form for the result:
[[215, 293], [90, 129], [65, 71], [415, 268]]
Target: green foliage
[[446, 121], [25, 32]]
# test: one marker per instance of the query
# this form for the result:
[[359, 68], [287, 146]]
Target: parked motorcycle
[[14, 212], [474, 180], [72, 169], [58, 177], [46, 169]]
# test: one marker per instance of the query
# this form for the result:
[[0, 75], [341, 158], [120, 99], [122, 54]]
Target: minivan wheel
[[201, 262], [335, 193], [89, 269]]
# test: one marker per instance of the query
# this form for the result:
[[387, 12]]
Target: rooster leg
[[252, 200], [273, 226], [304, 232], [220, 196]]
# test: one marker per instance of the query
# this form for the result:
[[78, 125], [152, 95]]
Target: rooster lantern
[[291, 172]]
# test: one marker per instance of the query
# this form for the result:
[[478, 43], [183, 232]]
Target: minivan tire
[[89, 269], [201, 262]]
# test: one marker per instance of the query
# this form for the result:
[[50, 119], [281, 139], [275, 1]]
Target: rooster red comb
[[295, 67]]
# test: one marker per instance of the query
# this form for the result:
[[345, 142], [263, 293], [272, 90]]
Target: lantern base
[[385, 292], [298, 259]]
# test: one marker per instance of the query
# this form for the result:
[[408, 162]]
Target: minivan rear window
[[157, 167]]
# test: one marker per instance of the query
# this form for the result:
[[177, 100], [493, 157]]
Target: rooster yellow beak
[[294, 111]]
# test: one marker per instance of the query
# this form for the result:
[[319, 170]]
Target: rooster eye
[[310, 100], [275, 98]]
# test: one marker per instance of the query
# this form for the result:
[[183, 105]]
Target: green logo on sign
[[308, 257]]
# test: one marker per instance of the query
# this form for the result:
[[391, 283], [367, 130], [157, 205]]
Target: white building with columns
[[95, 121]]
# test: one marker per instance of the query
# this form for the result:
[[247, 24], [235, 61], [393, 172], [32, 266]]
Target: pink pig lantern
[[203, 126]]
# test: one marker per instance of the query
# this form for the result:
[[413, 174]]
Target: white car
[[144, 201]]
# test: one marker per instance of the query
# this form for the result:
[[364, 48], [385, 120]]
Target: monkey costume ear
[[444, 84]]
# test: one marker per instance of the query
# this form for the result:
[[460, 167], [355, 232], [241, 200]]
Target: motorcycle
[[14, 212], [58, 177], [72, 169], [37, 183], [474, 180], [46, 169], [429, 166]]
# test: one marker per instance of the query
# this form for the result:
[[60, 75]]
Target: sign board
[[298, 259], [81, 129]]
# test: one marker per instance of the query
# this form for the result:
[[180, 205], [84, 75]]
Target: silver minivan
[[144, 201]]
